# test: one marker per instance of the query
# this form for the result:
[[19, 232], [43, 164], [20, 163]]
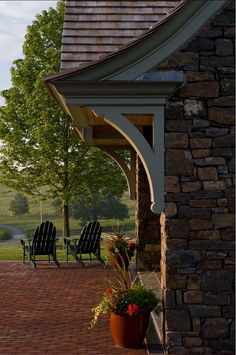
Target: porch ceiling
[[82, 100]]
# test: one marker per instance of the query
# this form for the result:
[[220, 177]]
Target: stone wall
[[198, 223], [197, 227]]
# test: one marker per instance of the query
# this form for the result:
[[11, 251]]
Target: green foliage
[[34, 130], [124, 296], [40, 147], [116, 245], [103, 206], [143, 297], [102, 189], [41, 155], [19, 205], [119, 245], [5, 235], [8, 194], [116, 300]]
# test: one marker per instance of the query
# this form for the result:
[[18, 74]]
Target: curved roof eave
[[151, 48]]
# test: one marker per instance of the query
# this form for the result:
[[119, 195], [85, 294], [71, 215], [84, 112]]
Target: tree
[[101, 190], [107, 206], [40, 147], [19, 205]]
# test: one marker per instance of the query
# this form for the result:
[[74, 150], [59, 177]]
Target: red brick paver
[[47, 310]]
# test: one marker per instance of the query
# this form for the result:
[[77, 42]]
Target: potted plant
[[128, 305], [119, 249]]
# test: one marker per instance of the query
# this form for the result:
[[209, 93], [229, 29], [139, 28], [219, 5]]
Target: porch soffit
[[107, 90], [126, 107]]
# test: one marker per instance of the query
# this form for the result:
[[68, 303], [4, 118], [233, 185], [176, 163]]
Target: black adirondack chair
[[87, 243], [42, 243]]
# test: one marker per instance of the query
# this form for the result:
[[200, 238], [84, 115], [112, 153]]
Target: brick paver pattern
[[47, 310]]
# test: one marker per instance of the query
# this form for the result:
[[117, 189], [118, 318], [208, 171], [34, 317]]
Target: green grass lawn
[[14, 252], [32, 219], [10, 252], [29, 222]]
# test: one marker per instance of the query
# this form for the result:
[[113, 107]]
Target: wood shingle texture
[[93, 29]]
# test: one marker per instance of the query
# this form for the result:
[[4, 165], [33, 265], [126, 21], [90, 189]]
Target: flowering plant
[[126, 297], [119, 244], [131, 248], [116, 245]]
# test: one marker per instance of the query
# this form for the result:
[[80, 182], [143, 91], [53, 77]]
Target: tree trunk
[[65, 206], [94, 206], [65, 218], [95, 213]]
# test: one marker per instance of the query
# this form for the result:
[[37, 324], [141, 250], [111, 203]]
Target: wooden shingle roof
[[93, 29]]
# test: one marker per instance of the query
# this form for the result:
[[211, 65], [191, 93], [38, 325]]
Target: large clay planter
[[117, 258], [129, 331]]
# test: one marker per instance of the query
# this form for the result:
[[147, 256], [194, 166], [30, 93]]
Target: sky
[[15, 16]]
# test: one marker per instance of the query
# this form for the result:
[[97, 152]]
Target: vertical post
[[158, 149]]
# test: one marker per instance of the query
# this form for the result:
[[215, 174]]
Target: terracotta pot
[[129, 331], [117, 258]]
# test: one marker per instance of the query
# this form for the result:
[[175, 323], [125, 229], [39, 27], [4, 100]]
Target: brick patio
[[47, 310]]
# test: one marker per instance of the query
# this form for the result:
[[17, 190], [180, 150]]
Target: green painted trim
[[117, 101], [113, 100], [117, 94], [115, 88], [152, 158], [152, 48]]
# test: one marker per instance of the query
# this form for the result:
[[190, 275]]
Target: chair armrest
[[72, 239], [68, 240], [25, 240], [75, 237]]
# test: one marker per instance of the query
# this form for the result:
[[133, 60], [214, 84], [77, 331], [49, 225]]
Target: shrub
[[5, 235]]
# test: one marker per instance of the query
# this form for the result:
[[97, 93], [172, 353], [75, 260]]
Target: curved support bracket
[[129, 171], [152, 158]]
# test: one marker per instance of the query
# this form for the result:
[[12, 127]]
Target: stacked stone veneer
[[197, 227]]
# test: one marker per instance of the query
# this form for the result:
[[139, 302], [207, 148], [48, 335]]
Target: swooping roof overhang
[[100, 94]]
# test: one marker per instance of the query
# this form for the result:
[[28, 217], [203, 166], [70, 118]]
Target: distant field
[[29, 222], [7, 195]]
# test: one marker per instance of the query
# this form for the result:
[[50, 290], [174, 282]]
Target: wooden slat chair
[[87, 243], [42, 243]]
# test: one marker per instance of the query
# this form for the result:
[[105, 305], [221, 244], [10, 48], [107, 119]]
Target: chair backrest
[[44, 238], [89, 238]]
